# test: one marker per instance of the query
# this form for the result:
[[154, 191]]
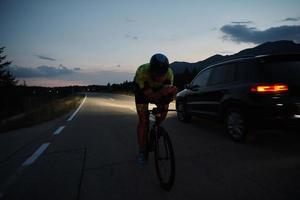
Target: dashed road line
[[36, 154], [59, 130], [76, 111], [20, 170]]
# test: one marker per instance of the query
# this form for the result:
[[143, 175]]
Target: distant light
[[296, 116], [49, 90], [279, 104]]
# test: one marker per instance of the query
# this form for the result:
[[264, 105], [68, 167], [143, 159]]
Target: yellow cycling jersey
[[143, 79]]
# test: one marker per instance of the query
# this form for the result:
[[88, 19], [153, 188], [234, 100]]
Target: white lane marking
[[76, 111], [36, 154], [10, 180], [59, 130]]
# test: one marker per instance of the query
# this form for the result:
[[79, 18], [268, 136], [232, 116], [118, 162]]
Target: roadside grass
[[42, 113]]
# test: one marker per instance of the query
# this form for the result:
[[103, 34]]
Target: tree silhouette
[[6, 78]]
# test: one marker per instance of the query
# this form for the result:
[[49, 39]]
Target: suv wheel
[[181, 112], [236, 125]]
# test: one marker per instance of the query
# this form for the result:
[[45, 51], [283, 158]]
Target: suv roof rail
[[239, 57], [234, 59], [278, 54], [259, 56]]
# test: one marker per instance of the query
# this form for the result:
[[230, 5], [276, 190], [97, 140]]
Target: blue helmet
[[159, 64]]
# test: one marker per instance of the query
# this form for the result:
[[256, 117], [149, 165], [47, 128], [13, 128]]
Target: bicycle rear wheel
[[164, 159]]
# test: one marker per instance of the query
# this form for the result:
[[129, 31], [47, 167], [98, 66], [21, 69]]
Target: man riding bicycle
[[154, 83]]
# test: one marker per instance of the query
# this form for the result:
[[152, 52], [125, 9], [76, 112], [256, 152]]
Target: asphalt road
[[93, 156]]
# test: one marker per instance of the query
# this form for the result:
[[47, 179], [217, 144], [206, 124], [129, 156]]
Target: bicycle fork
[[151, 141]]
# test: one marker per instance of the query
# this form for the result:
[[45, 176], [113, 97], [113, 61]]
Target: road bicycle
[[160, 143]]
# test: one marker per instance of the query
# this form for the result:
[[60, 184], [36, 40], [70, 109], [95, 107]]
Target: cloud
[[133, 37], [291, 19], [51, 82], [243, 33], [62, 75], [242, 22], [45, 58], [129, 20], [41, 71], [97, 77]]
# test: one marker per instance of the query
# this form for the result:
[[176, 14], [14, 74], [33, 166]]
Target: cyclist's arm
[[151, 95], [168, 92], [169, 89]]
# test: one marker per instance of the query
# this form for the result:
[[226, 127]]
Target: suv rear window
[[247, 71], [284, 71], [222, 74]]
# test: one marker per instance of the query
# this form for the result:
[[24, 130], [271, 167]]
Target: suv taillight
[[270, 88]]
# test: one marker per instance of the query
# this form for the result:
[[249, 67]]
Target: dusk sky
[[68, 42]]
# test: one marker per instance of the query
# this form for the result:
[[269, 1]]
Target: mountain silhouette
[[278, 47]]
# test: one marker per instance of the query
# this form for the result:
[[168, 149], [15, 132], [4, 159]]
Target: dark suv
[[245, 92]]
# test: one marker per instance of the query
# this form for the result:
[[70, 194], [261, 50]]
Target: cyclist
[[154, 82]]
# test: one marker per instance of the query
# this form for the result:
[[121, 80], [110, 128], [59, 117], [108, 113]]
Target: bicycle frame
[[156, 112], [156, 132]]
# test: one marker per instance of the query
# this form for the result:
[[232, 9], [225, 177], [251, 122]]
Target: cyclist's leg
[[143, 119], [143, 125]]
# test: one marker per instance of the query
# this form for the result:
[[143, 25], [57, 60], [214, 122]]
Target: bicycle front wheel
[[164, 159]]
